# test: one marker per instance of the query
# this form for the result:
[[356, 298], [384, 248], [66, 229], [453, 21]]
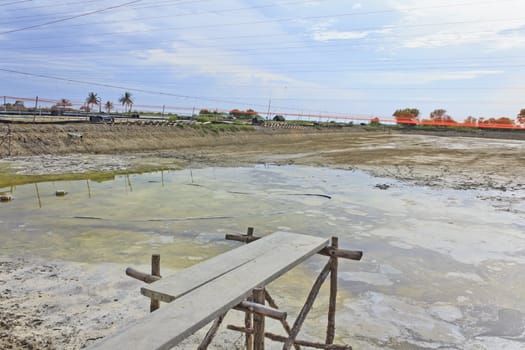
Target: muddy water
[[442, 269]]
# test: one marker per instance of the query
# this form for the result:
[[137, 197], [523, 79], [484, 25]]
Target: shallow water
[[441, 268]]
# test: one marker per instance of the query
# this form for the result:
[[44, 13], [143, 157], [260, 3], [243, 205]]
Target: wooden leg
[[155, 271], [285, 324], [248, 324], [258, 321], [211, 333], [307, 306], [330, 330]]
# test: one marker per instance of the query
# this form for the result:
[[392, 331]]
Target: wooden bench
[[205, 291]]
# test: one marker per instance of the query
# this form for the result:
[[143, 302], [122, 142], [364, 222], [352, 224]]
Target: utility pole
[[269, 106], [36, 105]]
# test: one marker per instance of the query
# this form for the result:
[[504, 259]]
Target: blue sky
[[326, 57]]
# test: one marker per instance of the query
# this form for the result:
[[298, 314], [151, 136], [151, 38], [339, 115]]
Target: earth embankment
[[446, 160]]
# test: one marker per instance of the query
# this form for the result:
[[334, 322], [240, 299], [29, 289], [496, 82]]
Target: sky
[[313, 57]]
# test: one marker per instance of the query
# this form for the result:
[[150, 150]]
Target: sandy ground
[[44, 306]]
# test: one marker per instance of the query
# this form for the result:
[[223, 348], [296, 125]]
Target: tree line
[[411, 116], [94, 100]]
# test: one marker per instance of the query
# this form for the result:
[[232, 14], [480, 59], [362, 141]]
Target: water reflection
[[441, 268]]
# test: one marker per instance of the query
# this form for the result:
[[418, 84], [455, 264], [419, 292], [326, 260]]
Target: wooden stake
[[248, 331], [155, 271], [141, 276], [284, 323], [247, 238], [248, 323], [330, 330], [342, 253], [248, 306], [211, 333], [309, 344], [280, 338], [258, 321], [307, 306]]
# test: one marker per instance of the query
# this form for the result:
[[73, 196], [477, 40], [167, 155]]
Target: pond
[[441, 268]]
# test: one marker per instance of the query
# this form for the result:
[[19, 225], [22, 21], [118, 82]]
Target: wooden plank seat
[[205, 291]]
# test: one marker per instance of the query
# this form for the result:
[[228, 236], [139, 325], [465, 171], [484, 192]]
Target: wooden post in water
[[306, 307], [248, 324], [248, 316], [9, 143], [211, 333], [155, 271], [330, 330], [258, 321]]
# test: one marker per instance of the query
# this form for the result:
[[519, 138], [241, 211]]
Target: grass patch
[[218, 128], [8, 178]]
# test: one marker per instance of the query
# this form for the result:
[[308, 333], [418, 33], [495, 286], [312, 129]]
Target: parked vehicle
[[101, 118]]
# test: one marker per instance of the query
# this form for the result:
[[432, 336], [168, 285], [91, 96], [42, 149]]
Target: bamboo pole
[[211, 333], [307, 306], [258, 321], [330, 329], [155, 271]]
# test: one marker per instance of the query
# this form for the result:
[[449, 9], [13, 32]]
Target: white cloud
[[425, 77], [337, 35], [494, 25], [210, 62], [357, 6]]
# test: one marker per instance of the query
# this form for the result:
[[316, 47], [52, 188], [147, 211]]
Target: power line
[[171, 3], [68, 18], [444, 88], [14, 2], [297, 18]]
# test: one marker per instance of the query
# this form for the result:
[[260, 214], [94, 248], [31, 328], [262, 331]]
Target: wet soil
[[33, 292], [429, 160]]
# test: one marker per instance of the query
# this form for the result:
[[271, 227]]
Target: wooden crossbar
[[205, 291]]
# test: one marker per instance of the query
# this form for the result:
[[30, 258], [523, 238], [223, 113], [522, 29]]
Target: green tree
[[127, 100], [471, 120], [407, 116], [63, 103], [441, 116], [521, 117]]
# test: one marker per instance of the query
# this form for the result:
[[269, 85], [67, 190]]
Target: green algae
[[9, 178]]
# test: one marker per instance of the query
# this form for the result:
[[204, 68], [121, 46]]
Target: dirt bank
[[449, 161]]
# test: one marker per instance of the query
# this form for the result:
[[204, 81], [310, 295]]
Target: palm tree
[[63, 103], [108, 106], [92, 99], [126, 100]]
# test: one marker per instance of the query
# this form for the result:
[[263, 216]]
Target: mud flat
[[442, 226]]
